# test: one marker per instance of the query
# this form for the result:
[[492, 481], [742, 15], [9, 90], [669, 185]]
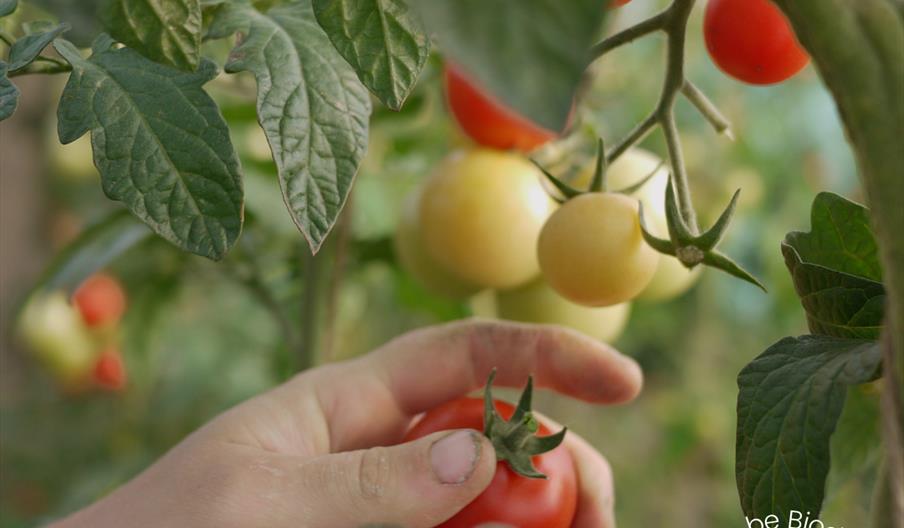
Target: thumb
[[418, 484]]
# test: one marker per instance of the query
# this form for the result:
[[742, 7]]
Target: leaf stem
[[672, 21], [634, 136], [47, 67], [6, 38], [676, 29]]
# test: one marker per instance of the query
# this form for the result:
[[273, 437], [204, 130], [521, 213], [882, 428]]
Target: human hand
[[312, 452]]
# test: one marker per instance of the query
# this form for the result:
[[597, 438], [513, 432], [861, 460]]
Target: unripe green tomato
[[481, 213], [536, 302], [592, 252], [53, 330], [413, 258]]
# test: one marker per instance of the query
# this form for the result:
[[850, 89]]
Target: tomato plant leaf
[[840, 238], [530, 54], [94, 248], [7, 7], [9, 94], [310, 103], [166, 31], [383, 40], [160, 144], [26, 49], [835, 270], [790, 399]]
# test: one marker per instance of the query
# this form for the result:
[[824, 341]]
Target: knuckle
[[374, 474]]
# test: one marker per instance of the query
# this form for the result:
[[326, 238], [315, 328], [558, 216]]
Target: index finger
[[425, 368]]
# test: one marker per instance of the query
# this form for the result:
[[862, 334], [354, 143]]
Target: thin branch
[[674, 80], [40, 67], [636, 135], [707, 109], [6, 38], [621, 38]]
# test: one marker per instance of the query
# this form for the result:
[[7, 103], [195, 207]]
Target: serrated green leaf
[[7, 7], [310, 103], [160, 144], [530, 54], [9, 94], [383, 40], [26, 49], [836, 303], [840, 238], [835, 270], [94, 249], [166, 31], [789, 402]]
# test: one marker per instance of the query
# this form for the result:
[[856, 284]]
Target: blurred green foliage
[[200, 337]]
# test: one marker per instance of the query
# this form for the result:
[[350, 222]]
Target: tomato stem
[[650, 25]]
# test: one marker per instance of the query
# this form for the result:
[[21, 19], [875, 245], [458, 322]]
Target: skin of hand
[[319, 450]]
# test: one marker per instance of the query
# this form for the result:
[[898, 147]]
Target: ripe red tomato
[[487, 121], [510, 499], [617, 3], [752, 41], [109, 370], [100, 299]]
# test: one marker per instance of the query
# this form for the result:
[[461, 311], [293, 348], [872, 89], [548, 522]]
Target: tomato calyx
[[515, 440], [691, 249], [597, 183]]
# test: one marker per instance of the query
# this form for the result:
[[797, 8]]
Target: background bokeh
[[199, 336]]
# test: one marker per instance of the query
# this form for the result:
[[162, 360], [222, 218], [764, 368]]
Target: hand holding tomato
[[308, 453]]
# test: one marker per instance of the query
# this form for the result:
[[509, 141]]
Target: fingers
[[431, 366], [596, 492], [418, 484], [425, 368]]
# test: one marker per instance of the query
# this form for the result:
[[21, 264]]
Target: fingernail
[[454, 456]]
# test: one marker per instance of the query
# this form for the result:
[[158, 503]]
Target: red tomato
[[487, 121], [752, 41], [617, 3], [110, 371], [100, 299], [510, 498]]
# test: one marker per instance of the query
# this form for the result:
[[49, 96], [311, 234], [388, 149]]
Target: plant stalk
[[857, 47]]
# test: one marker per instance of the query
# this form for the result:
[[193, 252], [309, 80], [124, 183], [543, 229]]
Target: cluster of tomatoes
[[485, 221], [76, 339]]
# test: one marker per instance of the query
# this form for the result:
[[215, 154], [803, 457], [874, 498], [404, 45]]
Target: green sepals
[[718, 260], [663, 246], [515, 440], [711, 238], [567, 191], [690, 249], [598, 183]]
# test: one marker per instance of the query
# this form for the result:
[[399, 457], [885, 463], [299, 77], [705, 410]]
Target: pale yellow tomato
[[592, 252], [409, 247], [536, 302], [481, 213], [671, 278]]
